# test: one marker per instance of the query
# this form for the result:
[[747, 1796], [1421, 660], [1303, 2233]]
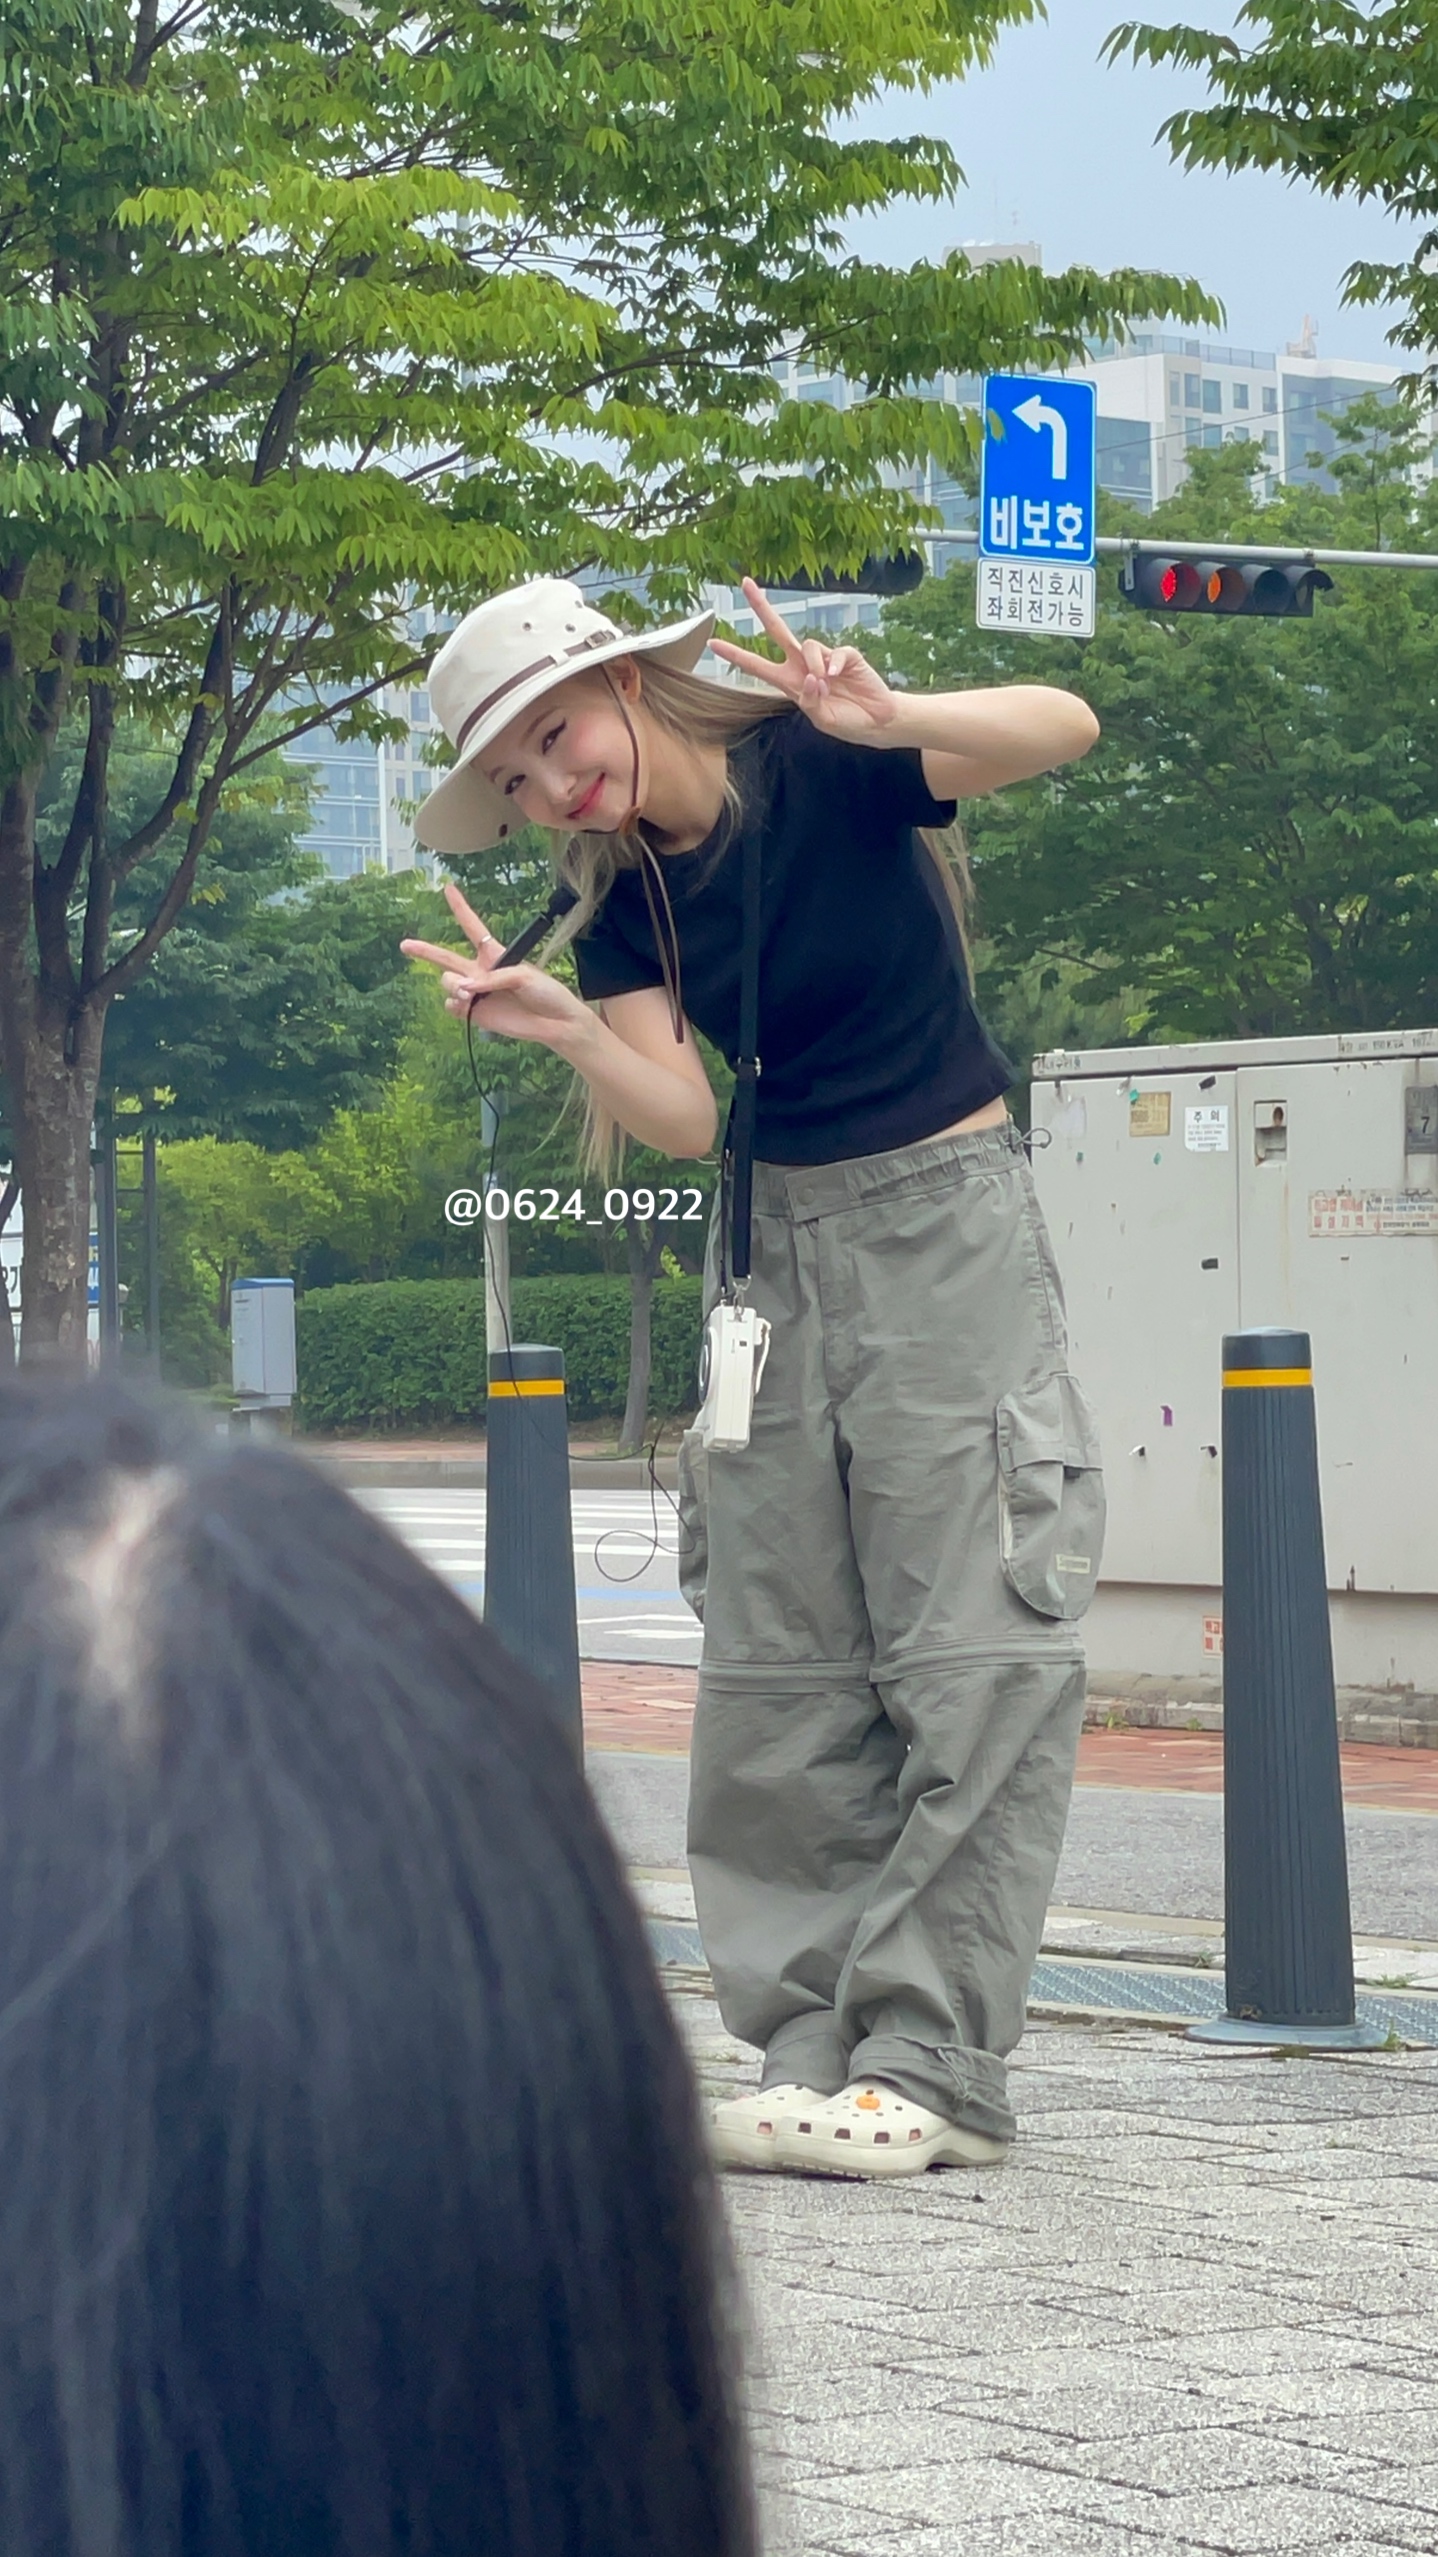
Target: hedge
[[410, 1353]]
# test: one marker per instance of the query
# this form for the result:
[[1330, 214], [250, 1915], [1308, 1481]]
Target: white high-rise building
[[358, 817], [1160, 397]]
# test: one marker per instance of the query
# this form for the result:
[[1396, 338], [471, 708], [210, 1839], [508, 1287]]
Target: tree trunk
[[52, 1106], [644, 1255], [50, 1055], [9, 1193]]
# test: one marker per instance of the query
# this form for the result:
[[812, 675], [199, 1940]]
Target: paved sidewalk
[[633, 1706], [1194, 2312]]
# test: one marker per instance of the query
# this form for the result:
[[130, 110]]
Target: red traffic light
[[1262, 589]]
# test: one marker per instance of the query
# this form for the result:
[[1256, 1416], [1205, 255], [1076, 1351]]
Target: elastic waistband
[[803, 1190]]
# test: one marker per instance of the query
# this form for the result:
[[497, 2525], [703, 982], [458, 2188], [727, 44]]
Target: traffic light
[[898, 576], [1260, 587]]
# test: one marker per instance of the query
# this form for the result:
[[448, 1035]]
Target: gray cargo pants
[[889, 1575]]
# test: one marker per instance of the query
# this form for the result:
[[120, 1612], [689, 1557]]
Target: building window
[[419, 709], [1175, 391], [1270, 442], [1213, 397], [1190, 390], [1213, 435], [1270, 400], [1240, 395], [1192, 432], [1125, 458]]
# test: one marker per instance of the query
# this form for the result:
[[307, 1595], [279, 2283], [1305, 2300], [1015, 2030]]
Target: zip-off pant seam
[[820, 1674]]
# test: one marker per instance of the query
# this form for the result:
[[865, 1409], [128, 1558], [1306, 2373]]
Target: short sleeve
[[887, 782], [606, 963], [897, 787]]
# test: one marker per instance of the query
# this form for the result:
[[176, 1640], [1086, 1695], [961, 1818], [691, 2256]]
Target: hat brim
[[464, 812]]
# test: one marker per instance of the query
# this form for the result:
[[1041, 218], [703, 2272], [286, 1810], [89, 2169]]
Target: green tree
[[366, 1197], [240, 1209], [1252, 847], [264, 1014], [313, 314], [280, 995], [1339, 93]]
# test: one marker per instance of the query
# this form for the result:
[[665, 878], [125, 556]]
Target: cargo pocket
[[1051, 1503], [692, 1470]]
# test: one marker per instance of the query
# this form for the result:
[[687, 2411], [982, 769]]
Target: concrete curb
[[1388, 1717], [1090, 1990]]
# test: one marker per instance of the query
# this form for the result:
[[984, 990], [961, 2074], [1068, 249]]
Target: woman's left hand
[[834, 687]]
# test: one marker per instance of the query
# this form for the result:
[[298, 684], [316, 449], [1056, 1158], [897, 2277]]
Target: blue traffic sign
[[1038, 493]]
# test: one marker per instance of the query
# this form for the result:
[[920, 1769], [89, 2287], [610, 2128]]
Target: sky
[[1059, 148]]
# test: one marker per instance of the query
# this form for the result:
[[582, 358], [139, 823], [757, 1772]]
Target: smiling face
[[568, 760]]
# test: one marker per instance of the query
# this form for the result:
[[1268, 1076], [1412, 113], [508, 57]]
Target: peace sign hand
[[834, 687], [519, 1003]]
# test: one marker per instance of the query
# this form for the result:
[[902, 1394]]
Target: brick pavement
[[1193, 2313], [631, 1705]]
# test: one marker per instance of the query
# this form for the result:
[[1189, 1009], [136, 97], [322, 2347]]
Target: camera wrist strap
[[738, 1166]]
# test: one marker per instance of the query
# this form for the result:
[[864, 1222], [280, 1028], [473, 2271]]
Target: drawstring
[[668, 949]]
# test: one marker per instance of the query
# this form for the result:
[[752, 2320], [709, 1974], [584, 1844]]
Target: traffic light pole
[[1122, 546]]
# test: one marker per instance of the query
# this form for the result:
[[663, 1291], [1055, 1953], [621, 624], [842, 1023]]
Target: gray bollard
[[529, 1597], [1289, 1942]]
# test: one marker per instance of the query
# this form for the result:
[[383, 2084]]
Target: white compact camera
[[731, 1362]]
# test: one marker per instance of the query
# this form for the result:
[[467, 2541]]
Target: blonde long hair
[[701, 713]]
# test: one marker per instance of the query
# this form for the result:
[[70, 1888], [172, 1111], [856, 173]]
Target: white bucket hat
[[503, 656]]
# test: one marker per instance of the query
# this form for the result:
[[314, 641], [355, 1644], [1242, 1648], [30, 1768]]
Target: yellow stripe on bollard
[[531, 1385], [1257, 1376]]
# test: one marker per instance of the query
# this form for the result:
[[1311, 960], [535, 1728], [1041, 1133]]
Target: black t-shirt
[[868, 1036]]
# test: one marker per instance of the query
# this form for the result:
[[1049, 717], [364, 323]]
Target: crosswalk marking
[[625, 1556]]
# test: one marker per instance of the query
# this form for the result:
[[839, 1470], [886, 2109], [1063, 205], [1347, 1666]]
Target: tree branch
[[151, 38], [329, 712], [213, 683], [52, 687], [124, 970], [90, 795]]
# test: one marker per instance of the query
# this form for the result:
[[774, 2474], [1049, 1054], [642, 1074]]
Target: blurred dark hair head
[[352, 2201]]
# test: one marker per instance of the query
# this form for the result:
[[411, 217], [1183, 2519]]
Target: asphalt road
[[1161, 1853]]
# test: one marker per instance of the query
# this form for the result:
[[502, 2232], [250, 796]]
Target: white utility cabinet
[[262, 1342], [1198, 1190]]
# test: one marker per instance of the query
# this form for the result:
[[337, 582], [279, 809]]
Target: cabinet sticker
[[1388, 1212], [1150, 1113], [1205, 1127]]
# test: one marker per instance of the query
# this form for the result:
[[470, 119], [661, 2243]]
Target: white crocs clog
[[869, 2130], [746, 2130]]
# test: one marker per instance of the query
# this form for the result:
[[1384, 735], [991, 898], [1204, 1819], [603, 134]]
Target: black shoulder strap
[[739, 1141]]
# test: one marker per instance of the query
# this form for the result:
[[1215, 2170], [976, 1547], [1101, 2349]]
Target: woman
[[891, 1686], [352, 2201]]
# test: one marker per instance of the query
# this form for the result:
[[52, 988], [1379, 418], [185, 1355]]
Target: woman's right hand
[[518, 1003]]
